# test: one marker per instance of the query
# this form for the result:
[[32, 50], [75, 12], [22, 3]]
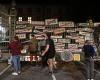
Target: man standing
[[15, 48], [33, 48], [89, 52], [49, 51]]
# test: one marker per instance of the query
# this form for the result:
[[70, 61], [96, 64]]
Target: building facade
[[4, 22], [41, 12]]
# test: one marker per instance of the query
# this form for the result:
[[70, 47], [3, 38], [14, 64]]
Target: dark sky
[[80, 9]]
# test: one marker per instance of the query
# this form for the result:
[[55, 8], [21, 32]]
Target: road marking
[[53, 77], [4, 70]]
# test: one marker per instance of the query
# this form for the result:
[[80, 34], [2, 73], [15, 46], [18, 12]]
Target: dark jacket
[[89, 50]]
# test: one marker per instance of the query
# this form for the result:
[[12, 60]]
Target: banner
[[72, 46], [21, 26], [83, 24], [21, 22], [59, 30], [37, 22], [96, 24], [39, 27], [51, 21], [66, 24], [21, 36], [56, 37], [23, 30], [39, 36]]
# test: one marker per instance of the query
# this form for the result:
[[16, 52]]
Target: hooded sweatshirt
[[15, 47]]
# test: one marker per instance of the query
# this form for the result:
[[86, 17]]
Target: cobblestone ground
[[72, 72], [35, 73], [3, 65]]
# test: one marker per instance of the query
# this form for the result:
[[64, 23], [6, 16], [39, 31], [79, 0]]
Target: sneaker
[[92, 79], [15, 73]]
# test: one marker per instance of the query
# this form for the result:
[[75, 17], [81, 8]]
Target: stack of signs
[[58, 45], [38, 26], [39, 36], [38, 29], [21, 29]]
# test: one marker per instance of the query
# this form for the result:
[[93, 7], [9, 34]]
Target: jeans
[[16, 63], [89, 64]]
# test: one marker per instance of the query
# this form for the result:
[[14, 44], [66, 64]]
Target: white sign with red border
[[51, 21], [66, 24]]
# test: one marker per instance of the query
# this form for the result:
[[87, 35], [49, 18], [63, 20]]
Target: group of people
[[48, 52]]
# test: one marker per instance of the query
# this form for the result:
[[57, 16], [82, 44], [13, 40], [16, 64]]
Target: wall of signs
[[66, 34]]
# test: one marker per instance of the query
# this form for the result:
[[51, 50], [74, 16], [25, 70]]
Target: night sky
[[80, 10]]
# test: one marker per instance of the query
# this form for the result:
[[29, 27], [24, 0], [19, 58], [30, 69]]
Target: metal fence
[[4, 29]]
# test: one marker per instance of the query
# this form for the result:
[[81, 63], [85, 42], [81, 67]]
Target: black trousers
[[44, 61]]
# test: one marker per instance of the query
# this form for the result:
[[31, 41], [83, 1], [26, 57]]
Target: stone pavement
[[3, 65], [97, 77], [36, 73]]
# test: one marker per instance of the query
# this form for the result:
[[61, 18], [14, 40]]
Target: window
[[20, 19], [29, 19]]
